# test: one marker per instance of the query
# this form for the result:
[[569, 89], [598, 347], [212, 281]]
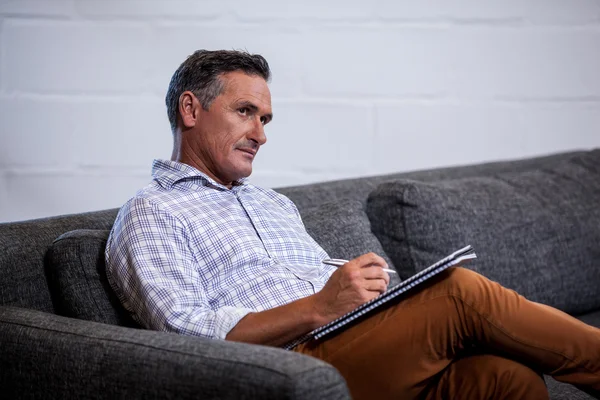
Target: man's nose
[[258, 132]]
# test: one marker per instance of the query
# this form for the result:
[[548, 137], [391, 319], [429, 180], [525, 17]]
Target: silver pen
[[338, 262]]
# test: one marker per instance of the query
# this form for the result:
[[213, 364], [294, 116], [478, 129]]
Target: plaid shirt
[[189, 255]]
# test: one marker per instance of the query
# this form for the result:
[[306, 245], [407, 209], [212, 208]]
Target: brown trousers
[[462, 336]]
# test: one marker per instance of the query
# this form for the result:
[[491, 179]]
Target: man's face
[[227, 137]]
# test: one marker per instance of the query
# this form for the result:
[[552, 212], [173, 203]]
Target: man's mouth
[[252, 152]]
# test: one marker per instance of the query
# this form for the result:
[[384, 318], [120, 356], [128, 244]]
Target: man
[[200, 251]]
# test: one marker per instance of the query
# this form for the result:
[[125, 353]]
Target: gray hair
[[200, 74]]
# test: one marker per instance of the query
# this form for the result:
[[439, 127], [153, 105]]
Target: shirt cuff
[[226, 318]]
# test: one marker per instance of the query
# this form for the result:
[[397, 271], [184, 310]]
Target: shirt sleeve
[[154, 274]]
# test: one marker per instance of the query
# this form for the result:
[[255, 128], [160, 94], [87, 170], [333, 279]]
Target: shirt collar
[[167, 173]]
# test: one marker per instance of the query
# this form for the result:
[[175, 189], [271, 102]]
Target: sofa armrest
[[47, 356]]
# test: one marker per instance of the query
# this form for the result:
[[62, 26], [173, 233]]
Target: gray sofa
[[534, 223]]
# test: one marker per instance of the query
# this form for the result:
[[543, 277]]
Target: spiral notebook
[[458, 257]]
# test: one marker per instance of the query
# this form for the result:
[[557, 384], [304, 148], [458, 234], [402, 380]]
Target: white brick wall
[[359, 88]]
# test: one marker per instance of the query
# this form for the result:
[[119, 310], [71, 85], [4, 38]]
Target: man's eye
[[263, 120], [243, 110]]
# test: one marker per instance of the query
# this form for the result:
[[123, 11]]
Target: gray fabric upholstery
[[76, 272], [564, 391], [343, 229], [24, 245], [534, 231], [56, 357], [312, 195], [46, 356], [591, 318]]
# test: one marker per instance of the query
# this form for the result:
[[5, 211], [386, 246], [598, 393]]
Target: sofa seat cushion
[[343, 229], [76, 273], [537, 232]]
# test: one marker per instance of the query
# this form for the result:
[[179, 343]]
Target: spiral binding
[[464, 254]]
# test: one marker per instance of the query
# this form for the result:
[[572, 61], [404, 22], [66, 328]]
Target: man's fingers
[[375, 273], [371, 259], [376, 285]]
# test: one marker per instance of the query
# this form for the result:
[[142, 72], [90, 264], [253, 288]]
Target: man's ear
[[188, 109]]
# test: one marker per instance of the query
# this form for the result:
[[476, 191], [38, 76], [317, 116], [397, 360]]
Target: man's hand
[[353, 284]]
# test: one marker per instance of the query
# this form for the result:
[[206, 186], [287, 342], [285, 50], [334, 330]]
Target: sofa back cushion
[[343, 229], [76, 268], [315, 194], [23, 245], [537, 232], [23, 248], [76, 273]]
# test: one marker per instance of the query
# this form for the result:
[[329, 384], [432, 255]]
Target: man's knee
[[473, 287], [463, 280], [463, 274]]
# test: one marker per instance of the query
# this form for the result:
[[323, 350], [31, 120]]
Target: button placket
[[249, 210]]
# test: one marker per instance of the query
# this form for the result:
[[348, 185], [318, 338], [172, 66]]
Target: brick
[[36, 132], [75, 57], [317, 138], [438, 62], [278, 45], [143, 9], [335, 10], [429, 11], [419, 136], [510, 11], [84, 132], [37, 8], [4, 210], [2, 46], [126, 133], [43, 194]]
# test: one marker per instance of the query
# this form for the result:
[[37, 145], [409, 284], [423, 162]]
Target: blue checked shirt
[[191, 256]]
